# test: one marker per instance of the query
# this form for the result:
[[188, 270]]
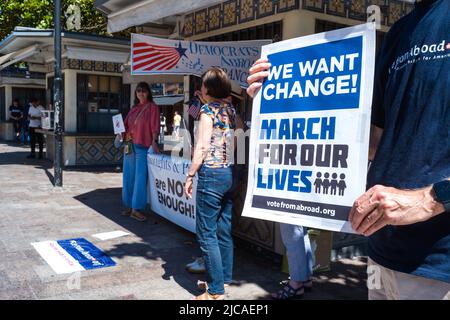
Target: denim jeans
[[298, 248], [135, 177], [24, 134], [213, 225]]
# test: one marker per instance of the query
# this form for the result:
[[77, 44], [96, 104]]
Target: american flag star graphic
[[150, 57]]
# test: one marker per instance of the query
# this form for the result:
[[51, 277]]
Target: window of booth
[[104, 94], [100, 97], [157, 89]]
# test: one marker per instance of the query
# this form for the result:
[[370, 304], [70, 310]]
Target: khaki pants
[[387, 284]]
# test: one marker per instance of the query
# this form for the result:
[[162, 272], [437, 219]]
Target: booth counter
[[84, 149]]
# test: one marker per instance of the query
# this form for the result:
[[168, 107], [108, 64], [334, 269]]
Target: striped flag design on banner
[[148, 57]]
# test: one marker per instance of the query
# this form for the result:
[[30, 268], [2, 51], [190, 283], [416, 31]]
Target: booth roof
[[9, 43], [36, 46], [123, 14]]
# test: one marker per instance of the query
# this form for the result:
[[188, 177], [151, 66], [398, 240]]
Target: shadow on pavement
[[20, 158], [174, 247]]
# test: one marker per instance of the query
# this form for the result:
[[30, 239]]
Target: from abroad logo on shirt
[[425, 52]]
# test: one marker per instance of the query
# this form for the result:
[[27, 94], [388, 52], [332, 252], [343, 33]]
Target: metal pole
[[59, 109]]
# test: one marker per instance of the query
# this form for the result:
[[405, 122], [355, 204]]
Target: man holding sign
[[406, 211], [311, 134], [308, 159]]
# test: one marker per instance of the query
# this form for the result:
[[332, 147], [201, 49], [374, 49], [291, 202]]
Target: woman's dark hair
[[217, 83], [145, 86]]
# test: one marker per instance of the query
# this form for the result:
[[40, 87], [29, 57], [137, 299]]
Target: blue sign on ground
[[87, 255]]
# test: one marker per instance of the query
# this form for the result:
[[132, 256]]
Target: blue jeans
[[213, 225], [298, 248], [135, 177], [24, 133]]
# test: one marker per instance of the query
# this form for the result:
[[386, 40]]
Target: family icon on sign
[[330, 186]]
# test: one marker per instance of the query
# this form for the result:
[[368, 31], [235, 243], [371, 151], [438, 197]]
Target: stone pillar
[[8, 99]]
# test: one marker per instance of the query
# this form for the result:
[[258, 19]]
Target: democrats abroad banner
[[166, 190], [310, 129], [150, 55], [72, 255]]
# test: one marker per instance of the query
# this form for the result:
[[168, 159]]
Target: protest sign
[[72, 255], [110, 235], [310, 129], [166, 190], [152, 55], [118, 124]]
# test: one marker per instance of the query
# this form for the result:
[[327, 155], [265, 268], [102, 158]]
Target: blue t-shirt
[[412, 105]]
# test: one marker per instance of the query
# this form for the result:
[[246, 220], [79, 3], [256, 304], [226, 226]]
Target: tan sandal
[[203, 285], [138, 216], [208, 296]]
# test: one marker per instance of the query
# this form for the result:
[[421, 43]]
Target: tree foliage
[[39, 14]]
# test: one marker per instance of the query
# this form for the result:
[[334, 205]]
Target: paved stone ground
[[150, 262]]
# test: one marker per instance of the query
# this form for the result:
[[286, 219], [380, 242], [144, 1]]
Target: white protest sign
[[310, 129], [118, 124], [166, 190], [58, 258], [72, 255], [152, 55], [110, 235]]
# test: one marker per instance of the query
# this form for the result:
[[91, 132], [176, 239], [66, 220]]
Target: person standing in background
[[142, 126], [176, 124], [25, 133], [163, 128], [16, 116], [35, 116]]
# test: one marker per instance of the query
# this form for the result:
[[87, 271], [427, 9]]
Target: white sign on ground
[[72, 255], [110, 235], [57, 258], [311, 129]]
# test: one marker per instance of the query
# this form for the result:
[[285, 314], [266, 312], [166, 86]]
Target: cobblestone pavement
[[150, 261]]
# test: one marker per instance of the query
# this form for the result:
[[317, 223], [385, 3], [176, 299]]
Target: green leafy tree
[[39, 14]]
